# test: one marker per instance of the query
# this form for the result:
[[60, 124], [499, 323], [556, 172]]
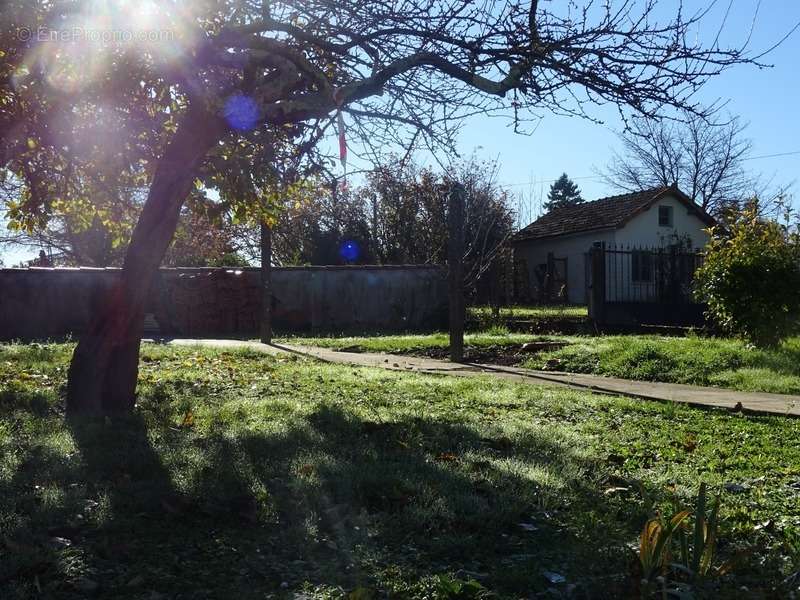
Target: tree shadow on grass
[[785, 359], [78, 497], [352, 501], [333, 499]]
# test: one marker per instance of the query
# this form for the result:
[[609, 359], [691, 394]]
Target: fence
[[642, 286], [51, 303], [508, 282]]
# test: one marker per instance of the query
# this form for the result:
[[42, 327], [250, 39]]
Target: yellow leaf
[[678, 518], [188, 420]]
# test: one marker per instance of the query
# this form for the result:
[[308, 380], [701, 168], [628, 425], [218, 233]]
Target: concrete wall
[[643, 231], [51, 303]]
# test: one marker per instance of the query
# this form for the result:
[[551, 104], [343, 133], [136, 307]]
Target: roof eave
[[513, 241]]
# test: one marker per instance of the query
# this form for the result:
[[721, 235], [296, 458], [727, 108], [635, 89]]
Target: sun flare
[[75, 52]]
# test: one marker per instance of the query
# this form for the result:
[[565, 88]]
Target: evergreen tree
[[564, 192]]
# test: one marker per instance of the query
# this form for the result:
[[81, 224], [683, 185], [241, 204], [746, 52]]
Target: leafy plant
[[455, 588], [655, 543], [677, 554], [791, 543], [697, 552], [497, 330], [750, 278]]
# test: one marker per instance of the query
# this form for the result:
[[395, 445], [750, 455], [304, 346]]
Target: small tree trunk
[[105, 364], [455, 260], [266, 284]]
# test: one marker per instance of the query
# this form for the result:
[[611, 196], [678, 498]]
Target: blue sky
[[766, 98]]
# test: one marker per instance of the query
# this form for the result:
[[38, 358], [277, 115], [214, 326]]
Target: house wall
[[642, 231]]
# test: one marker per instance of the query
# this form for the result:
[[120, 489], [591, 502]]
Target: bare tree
[[397, 216], [488, 217], [705, 160]]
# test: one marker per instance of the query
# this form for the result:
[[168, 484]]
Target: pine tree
[[563, 193]]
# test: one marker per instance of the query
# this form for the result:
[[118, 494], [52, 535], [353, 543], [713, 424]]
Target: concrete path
[[756, 402]]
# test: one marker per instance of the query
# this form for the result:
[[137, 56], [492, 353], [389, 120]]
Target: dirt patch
[[506, 355]]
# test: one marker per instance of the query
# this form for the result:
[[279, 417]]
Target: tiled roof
[[606, 213]]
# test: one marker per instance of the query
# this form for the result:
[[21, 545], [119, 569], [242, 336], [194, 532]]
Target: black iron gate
[[643, 286]]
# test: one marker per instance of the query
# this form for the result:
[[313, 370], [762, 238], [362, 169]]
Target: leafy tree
[[751, 276], [312, 226], [204, 238], [398, 216], [563, 192], [96, 234], [238, 96], [407, 208]]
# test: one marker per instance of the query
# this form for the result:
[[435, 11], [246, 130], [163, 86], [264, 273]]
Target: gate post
[[549, 278], [597, 296], [266, 284], [455, 258]]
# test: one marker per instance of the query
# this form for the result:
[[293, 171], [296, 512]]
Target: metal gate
[[551, 281], [643, 286]]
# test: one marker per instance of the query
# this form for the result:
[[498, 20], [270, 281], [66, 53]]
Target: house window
[[641, 267], [665, 216]]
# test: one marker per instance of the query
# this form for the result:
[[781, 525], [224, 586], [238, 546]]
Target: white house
[[558, 242]]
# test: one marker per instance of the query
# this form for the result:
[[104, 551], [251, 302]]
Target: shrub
[[750, 279]]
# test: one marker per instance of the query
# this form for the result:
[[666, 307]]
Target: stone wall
[[51, 303]]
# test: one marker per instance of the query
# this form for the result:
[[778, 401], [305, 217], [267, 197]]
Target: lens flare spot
[[349, 251], [241, 112]]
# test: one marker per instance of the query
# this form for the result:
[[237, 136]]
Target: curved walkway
[[755, 402]]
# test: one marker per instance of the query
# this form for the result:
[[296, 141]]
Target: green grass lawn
[[246, 476], [570, 312], [695, 360], [719, 362]]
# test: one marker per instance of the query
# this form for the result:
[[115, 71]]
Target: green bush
[[750, 279]]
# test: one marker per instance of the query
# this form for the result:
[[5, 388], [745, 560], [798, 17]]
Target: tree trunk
[[105, 364]]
